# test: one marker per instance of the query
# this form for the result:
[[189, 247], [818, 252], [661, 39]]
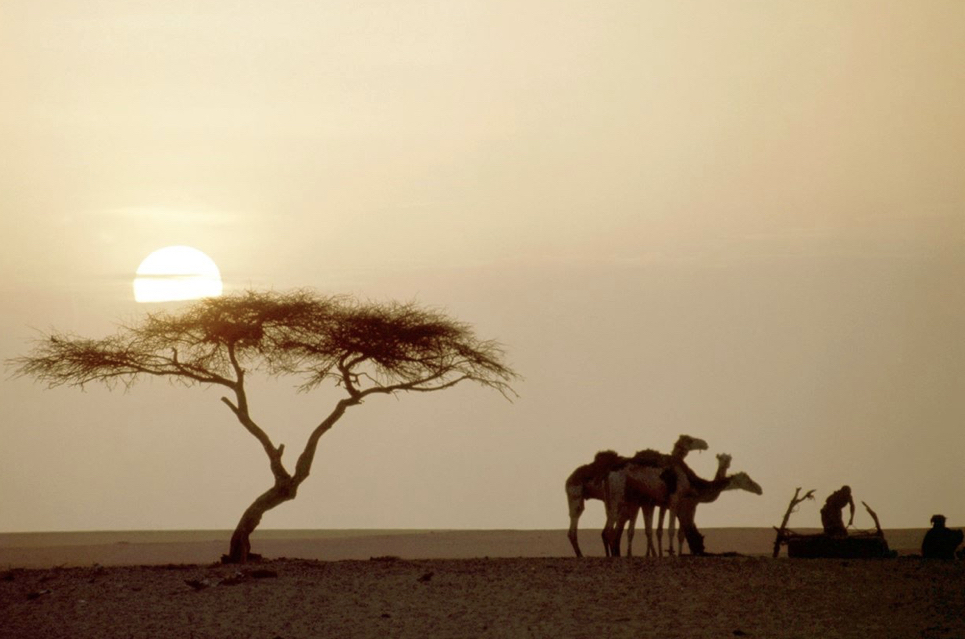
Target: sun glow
[[176, 273]]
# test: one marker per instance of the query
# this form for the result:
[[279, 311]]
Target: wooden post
[[791, 507], [874, 516]]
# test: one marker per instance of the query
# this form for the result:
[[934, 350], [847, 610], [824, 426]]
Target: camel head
[[723, 465], [723, 461], [742, 481], [686, 443]]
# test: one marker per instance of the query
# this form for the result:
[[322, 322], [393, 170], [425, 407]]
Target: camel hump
[[603, 462], [650, 457], [606, 458]]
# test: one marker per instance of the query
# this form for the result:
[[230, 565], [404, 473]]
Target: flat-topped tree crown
[[367, 348]]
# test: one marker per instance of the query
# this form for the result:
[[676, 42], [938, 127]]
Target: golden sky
[[738, 220]]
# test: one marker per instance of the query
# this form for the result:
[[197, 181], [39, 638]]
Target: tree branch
[[344, 369], [303, 466], [274, 454], [874, 516]]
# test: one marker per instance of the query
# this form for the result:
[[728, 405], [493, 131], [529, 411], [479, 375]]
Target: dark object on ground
[[859, 545], [234, 580], [252, 557], [426, 577], [262, 573], [940, 542], [198, 584]]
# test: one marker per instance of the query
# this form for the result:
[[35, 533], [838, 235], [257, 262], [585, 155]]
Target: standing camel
[[652, 458], [587, 481]]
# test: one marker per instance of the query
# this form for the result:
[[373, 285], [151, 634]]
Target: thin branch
[[347, 376], [874, 516]]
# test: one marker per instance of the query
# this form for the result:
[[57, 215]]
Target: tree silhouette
[[363, 347]]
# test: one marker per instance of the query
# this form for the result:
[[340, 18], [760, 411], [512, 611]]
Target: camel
[[723, 465], [677, 488], [650, 457], [702, 491], [648, 506], [587, 482]]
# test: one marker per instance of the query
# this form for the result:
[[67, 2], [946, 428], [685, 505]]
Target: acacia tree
[[363, 347]]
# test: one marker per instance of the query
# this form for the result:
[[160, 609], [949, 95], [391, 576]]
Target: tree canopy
[[365, 347]]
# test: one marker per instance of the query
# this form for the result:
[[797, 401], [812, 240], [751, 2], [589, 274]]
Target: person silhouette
[[831, 512], [940, 542]]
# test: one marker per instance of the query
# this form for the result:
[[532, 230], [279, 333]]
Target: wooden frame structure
[[854, 545]]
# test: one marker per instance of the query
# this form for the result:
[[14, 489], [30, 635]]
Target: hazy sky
[[744, 221]]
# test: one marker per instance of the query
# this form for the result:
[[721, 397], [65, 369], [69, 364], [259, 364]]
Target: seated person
[[940, 542]]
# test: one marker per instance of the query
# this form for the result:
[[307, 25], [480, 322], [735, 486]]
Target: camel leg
[[610, 533], [648, 525], [688, 528], [617, 535], [633, 524], [576, 504], [689, 513], [616, 519], [663, 511], [671, 532], [682, 532], [614, 491]]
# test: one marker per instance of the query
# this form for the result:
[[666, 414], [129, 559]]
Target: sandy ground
[[528, 596], [44, 550]]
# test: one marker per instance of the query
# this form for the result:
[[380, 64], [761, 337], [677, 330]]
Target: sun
[[176, 273]]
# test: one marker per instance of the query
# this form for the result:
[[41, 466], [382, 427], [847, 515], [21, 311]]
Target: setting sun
[[176, 273]]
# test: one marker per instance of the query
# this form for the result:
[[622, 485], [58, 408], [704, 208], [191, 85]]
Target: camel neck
[[709, 489]]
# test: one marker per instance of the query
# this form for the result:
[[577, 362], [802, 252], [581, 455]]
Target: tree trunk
[[239, 551]]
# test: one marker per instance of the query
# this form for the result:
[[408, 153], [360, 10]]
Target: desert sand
[[461, 584]]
